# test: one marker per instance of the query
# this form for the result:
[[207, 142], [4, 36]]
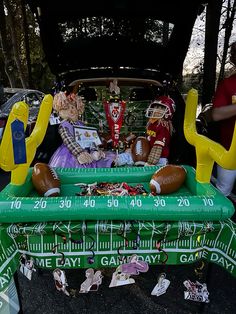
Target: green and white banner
[[73, 244]]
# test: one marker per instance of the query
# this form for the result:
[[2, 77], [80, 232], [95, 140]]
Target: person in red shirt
[[158, 131], [224, 111]]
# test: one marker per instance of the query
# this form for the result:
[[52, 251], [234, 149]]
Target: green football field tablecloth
[[189, 225], [110, 241]]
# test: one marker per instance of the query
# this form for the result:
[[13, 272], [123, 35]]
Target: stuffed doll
[[158, 131], [70, 154]]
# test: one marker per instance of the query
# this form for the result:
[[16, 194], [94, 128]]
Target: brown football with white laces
[[140, 150], [168, 179], [45, 180]]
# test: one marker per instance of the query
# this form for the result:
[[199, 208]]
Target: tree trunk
[[228, 30], [165, 37], [6, 48], [14, 45], [210, 54], [27, 48]]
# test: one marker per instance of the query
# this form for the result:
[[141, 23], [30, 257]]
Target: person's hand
[[84, 158], [98, 154]]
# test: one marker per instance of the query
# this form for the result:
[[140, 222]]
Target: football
[[45, 180], [140, 150], [167, 179]]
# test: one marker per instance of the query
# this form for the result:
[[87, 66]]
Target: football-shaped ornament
[[167, 179], [45, 180], [140, 150]]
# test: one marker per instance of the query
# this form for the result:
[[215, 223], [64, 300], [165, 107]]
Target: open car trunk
[[86, 42], [116, 38]]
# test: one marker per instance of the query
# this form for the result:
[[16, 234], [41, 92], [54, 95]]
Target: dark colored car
[[88, 44], [32, 98]]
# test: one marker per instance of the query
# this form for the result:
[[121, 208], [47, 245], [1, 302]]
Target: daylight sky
[[195, 53]]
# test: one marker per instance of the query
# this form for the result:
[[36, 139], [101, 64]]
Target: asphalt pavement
[[40, 296]]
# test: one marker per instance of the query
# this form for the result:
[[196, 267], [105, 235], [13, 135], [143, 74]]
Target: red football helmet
[[162, 107]]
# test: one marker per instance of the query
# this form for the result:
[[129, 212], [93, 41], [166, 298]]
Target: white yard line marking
[[9, 301]]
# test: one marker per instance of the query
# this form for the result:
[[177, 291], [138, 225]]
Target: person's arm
[[222, 102], [222, 113]]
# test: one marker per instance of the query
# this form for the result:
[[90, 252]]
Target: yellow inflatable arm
[[20, 112], [207, 151]]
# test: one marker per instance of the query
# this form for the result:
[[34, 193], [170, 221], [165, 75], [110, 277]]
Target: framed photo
[[87, 137]]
